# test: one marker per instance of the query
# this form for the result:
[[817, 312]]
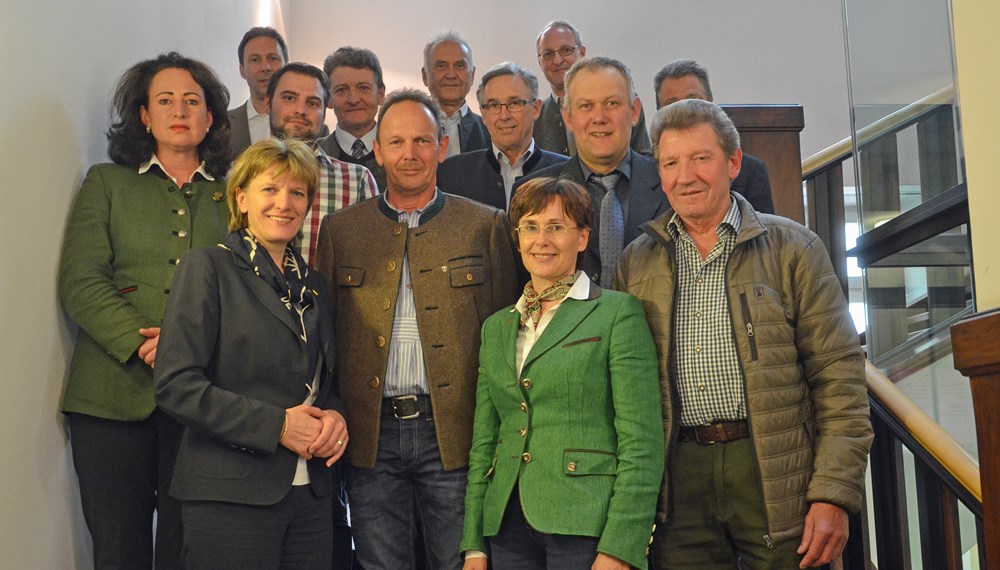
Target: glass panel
[[901, 72], [970, 541]]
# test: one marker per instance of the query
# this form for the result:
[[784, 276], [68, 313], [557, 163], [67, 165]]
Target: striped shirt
[[340, 185], [706, 365], [405, 372]]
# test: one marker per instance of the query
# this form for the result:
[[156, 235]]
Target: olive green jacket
[[579, 431], [126, 234]]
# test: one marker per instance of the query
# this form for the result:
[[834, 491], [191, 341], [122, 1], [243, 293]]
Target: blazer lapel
[[269, 299], [510, 325], [570, 314]]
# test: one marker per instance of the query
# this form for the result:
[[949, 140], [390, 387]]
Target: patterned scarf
[[533, 300], [288, 284]]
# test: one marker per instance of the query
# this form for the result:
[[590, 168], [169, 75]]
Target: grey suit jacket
[[461, 271], [550, 130], [229, 362], [472, 133], [646, 201], [240, 128]]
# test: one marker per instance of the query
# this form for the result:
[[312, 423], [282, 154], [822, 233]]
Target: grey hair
[[596, 64], [508, 68], [682, 68], [442, 37], [689, 113], [559, 24]]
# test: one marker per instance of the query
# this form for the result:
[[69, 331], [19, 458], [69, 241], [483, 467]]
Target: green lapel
[[570, 314], [510, 324]]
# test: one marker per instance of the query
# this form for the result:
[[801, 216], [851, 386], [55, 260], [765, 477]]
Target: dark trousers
[[716, 516], [124, 470], [295, 532], [343, 549], [519, 547]]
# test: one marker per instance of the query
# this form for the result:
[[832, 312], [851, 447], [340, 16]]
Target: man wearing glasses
[[559, 45], [508, 99]]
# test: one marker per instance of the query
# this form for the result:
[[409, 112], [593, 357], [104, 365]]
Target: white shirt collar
[[144, 168], [502, 158], [346, 139]]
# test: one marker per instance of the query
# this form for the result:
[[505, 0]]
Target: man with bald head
[[448, 73], [558, 46]]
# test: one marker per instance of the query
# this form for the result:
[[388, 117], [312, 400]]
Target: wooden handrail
[[841, 150], [939, 443]]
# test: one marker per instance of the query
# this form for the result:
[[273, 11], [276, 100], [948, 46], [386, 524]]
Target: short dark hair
[[356, 58], [301, 69], [537, 193], [259, 32], [682, 68], [129, 144], [688, 113], [416, 96]]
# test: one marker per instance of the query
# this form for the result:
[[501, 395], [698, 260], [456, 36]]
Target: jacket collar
[[751, 225]]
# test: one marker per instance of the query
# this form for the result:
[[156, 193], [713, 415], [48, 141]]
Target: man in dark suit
[[601, 111], [688, 79], [508, 97], [262, 51], [412, 272], [357, 90], [448, 73], [559, 45]]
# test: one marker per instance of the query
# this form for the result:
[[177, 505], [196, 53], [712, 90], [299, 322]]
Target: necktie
[[612, 230], [358, 150]]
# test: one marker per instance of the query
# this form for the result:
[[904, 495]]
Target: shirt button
[[526, 382], [697, 314], [375, 382], [380, 341], [526, 457], [700, 280], [182, 234], [391, 266], [697, 349], [522, 432], [571, 466], [701, 387], [386, 304], [524, 407]]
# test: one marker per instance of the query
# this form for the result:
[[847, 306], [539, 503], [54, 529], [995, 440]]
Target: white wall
[[62, 59]]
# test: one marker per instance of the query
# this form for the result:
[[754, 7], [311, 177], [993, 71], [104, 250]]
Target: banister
[[841, 150], [939, 443]]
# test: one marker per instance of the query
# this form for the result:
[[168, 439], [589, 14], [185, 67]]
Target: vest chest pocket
[[350, 276], [467, 276]]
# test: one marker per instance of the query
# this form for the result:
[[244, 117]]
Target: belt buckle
[[697, 437], [395, 410]]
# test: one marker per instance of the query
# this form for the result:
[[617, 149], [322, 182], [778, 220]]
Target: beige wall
[[62, 59], [978, 84]]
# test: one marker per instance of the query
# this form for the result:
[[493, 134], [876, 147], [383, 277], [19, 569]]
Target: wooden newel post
[[976, 345]]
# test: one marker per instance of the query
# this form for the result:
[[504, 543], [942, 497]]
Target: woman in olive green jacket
[[567, 450], [131, 224]]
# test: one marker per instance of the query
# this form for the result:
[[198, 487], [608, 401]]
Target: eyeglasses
[[513, 106], [532, 230], [563, 52]]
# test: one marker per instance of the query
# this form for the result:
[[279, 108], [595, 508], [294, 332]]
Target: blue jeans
[[407, 466]]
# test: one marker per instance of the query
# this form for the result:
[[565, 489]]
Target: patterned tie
[[358, 150], [612, 230]]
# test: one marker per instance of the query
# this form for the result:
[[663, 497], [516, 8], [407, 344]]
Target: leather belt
[[409, 407], [719, 432]]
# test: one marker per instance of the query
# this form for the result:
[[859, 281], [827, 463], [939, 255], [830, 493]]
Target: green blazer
[[126, 234], [580, 431]]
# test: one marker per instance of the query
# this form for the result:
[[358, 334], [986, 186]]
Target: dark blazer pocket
[[582, 341], [578, 462], [467, 276], [215, 460], [350, 276]]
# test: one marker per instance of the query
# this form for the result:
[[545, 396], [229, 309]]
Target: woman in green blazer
[[131, 224], [567, 449]]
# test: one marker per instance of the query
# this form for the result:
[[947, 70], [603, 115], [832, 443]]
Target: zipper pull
[[749, 329], [767, 541]]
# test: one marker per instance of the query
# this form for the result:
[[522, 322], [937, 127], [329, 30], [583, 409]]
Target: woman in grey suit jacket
[[246, 365], [567, 445]]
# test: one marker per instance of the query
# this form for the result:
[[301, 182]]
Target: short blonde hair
[[292, 155]]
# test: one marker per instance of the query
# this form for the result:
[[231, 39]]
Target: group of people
[[549, 339]]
